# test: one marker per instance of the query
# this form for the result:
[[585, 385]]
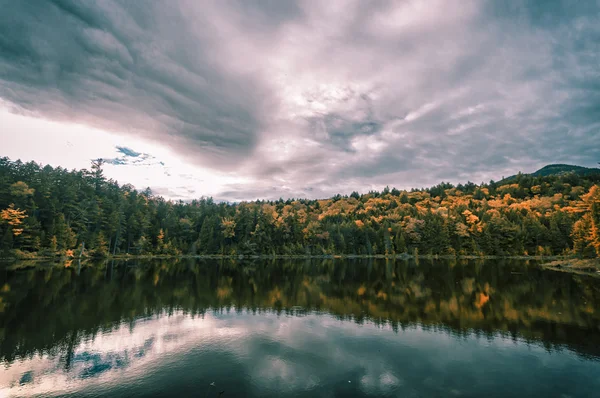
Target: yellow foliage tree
[[592, 203], [21, 189], [160, 241], [14, 218], [586, 231], [228, 227]]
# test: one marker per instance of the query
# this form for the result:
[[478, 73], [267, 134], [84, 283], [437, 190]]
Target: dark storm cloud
[[336, 96], [129, 68]]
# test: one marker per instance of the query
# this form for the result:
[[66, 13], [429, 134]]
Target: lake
[[307, 328]]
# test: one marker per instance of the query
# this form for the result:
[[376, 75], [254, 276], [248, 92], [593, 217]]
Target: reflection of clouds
[[280, 354], [114, 355], [276, 373], [385, 382]]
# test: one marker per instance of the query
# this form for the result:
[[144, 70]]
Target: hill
[[556, 170]]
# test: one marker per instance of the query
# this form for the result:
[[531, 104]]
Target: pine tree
[[100, 247], [400, 242]]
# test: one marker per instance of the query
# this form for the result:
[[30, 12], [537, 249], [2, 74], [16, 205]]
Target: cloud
[[345, 96], [114, 65]]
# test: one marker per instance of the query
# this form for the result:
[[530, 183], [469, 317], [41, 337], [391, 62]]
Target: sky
[[243, 100]]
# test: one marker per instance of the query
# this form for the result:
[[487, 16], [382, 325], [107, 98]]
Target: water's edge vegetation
[[590, 267], [53, 212]]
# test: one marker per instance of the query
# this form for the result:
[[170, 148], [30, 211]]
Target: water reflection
[[293, 328]]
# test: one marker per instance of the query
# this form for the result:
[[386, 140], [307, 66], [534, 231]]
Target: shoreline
[[570, 264], [579, 266], [402, 256]]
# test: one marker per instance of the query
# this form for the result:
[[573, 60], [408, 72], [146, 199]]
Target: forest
[[55, 212]]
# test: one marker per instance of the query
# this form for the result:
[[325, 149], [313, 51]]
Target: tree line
[[46, 211]]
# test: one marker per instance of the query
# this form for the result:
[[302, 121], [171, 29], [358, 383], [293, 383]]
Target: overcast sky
[[261, 99]]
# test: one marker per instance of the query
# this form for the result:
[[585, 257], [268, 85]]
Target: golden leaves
[[323, 235], [442, 211], [496, 203], [481, 299], [302, 216], [377, 220], [275, 295], [593, 196], [271, 212], [224, 292], [382, 295], [508, 199], [14, 218], [462, 230], [412, 228], [312, 229], [21, 189], [507, 188], [453, 192], [470, 217], [228, 227]]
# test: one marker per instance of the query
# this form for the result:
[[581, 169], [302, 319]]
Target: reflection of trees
[[51, 309]]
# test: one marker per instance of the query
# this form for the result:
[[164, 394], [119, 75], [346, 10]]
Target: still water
[[332, 328]]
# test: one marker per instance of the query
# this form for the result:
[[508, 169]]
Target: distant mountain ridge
[[558, 169]]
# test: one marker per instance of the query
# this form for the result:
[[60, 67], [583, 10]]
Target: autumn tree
[[586, 231], [13, 218]]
